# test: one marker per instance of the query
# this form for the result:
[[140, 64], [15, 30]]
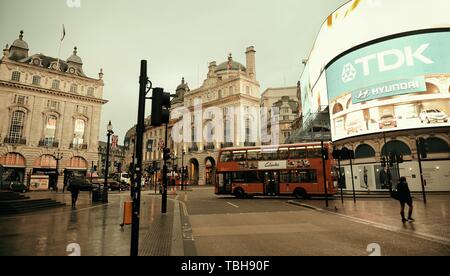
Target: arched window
[[364, 151], [16, 127], [78, 133], [50, 130], [15, 76], [437, 145], [395, 146], [337, 108], [431, 88], [349, 103]]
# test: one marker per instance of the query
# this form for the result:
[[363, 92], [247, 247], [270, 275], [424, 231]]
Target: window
[[82, 109], [16, 127], [90, 92], [15, 76], [21, 100], [50, 129], [314, 152], [55, 84], [239, 177], [285, 177], [74, 88], [252, 177], [247, 130], [252, 155], [308, 176], [52, 105], [283, 154], [239, 156], [247, 90], [36, 80], [270, 155], [297, 153], [78, 133]]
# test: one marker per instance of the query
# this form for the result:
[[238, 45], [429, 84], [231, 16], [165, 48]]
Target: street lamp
[[182, 170], [105, 186], [58, 156]]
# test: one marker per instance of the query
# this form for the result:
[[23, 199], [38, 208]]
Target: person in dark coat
[[74, 190], [404, 196]]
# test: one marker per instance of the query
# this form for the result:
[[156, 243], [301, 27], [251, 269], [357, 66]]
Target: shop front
[[12, 171]]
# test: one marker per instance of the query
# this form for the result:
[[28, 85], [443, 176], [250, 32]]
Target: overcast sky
[[178, 38]]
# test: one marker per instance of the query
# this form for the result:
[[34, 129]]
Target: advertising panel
[[361, 21], [401, 83]]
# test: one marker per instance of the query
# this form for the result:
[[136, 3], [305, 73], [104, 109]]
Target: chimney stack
[[251, 66]]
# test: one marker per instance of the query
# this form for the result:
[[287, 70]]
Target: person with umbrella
[[74, 188]]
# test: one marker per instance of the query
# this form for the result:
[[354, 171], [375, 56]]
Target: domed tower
[[181, 91], [19, 49], [230, 66], [75, 64]]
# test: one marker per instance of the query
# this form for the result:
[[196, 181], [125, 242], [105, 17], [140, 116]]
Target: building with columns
[[50, 116], [223, 112], [280, 108]]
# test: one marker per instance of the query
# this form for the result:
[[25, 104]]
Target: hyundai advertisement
[[401, 83]]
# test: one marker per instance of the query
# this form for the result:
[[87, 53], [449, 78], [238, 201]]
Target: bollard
[[127, 213]]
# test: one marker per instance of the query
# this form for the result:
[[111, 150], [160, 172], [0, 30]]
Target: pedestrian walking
[[75, 191], [405, 198]]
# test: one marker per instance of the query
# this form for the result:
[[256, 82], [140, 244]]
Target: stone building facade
[[280, 108], [49, 116]]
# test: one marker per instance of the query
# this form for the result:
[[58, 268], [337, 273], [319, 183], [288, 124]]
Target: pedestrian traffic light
[[166, 154], [422, 148], [160, 107]]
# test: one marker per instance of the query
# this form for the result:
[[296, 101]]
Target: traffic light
[[160, 107], [383, 162], [422, 148], [400, 158], [392, 158], [325, 155], [337, 154], [166, 154]]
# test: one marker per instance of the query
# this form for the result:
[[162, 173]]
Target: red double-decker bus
[[295, 170]]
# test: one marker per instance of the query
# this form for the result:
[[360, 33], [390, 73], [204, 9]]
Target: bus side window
[[308, 176], [283, 154], [225, 157], [314, 152], [295, 177], [285, 177]]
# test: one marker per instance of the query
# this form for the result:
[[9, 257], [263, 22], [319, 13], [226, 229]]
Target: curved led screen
[[397, 84]]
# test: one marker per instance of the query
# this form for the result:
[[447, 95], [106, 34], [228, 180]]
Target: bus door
[[225, 186], [271, 183]]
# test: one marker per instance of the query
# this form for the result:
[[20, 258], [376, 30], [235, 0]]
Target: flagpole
[[60, 45]]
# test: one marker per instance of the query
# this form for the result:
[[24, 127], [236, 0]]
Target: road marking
[[177, 248], [235, 206]]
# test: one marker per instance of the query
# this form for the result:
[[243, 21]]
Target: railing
[[249, 144], [227, 145], [193, 148], [15, 141], [48, 143], [210, 146], [79, 146]]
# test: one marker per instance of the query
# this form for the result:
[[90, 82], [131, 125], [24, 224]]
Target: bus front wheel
[[300, 193], [239, 193]]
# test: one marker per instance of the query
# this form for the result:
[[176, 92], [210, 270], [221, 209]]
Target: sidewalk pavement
[[96, 228], [432, 220]]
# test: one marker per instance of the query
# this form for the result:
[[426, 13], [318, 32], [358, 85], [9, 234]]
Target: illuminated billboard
[[358, 22], [400, 83]]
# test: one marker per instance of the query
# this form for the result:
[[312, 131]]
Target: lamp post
[[182, 170], [105, 186], [58, 156]]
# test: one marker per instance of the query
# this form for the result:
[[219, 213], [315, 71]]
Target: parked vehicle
[[433, 116], [387, 121]]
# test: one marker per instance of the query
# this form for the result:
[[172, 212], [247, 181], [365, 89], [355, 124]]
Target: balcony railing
[[210, 146], [79, 146], [249, 144], [15, 141], [193, 148], [227, 145], [48, 143]]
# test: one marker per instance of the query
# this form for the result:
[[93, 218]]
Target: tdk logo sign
[[386, 61]]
